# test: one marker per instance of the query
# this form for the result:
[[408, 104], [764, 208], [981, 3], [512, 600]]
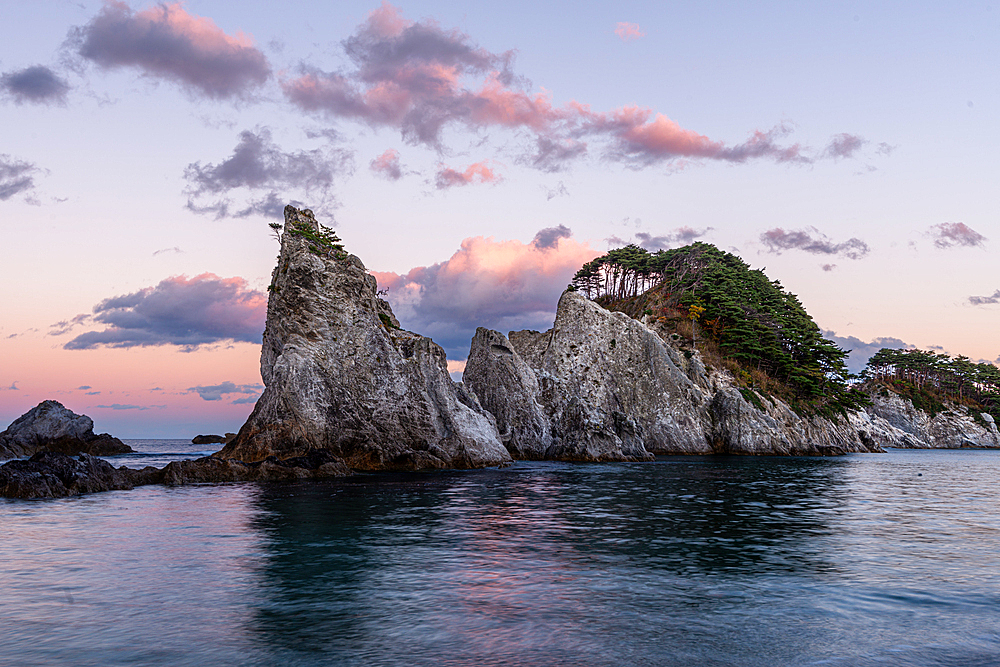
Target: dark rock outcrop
[[208, 439], [340, 374], [315, 464], [53, 475], [49, 426]]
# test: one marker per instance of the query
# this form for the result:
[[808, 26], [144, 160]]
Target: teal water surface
[[889, 559]]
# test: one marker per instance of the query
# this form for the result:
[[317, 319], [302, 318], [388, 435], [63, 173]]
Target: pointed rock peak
[[341, 375]]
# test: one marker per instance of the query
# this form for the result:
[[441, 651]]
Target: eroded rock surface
[[743, 428], [612, 388], [506, 386], [50, 426], [341, 375], [953, 428]]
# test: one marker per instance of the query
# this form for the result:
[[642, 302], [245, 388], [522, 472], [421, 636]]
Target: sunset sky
[[473, 155]]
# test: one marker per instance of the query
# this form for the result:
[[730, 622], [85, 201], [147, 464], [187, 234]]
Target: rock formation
[[208, 439], [53, 475], [49, 426], [956, 427], [507, 386], [610, 388], [340, 374], [772, 427]]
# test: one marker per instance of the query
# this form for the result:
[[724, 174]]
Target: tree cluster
[[956, 378], [323, 242], [752, 319]]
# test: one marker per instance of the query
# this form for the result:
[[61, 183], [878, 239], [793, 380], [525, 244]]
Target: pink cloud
[[845, 145], [659, 136], [628, 31], [420, 78], [502, 285], [188, 312], [479, 172], [495, 104], [949, 234], [166, 41], [386, 21], [387, 165]]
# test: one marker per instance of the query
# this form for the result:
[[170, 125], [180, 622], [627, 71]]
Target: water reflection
[[861, 560], [546, 560]]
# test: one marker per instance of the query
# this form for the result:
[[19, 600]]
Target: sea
[[865, 559]]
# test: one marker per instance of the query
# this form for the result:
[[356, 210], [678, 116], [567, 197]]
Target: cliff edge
[[340, 375]]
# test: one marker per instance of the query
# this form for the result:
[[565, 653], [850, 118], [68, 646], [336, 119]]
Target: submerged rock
[[49, 426], [340, 374]]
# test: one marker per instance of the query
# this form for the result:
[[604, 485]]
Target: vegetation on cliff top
[[735, 316], [930, 378]]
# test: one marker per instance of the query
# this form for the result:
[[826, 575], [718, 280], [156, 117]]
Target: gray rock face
[[953, 428], [341, 376], [611, 388], [742, 428], [506, 386], [49, 426]]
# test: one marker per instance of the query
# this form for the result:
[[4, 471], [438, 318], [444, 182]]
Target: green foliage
[[324, 243], [752, 398], [752, 320], [386, 321], [928, 378], [275, 230]]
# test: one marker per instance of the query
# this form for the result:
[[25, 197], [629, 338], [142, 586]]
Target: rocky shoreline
[[55, 475], [346, 389]]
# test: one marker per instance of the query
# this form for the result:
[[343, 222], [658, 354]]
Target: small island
[[51, 427], [684, 351]]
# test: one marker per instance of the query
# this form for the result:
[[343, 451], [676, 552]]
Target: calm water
[[887, 559]]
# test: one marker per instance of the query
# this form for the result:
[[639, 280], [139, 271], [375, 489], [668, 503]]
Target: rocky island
[[51, 427], [340, 375], [686, 351]]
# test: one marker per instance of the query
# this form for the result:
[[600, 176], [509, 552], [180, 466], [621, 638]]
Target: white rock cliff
[[341, 376]]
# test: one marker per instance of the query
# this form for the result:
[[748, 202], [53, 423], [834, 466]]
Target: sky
[[474, 156]]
